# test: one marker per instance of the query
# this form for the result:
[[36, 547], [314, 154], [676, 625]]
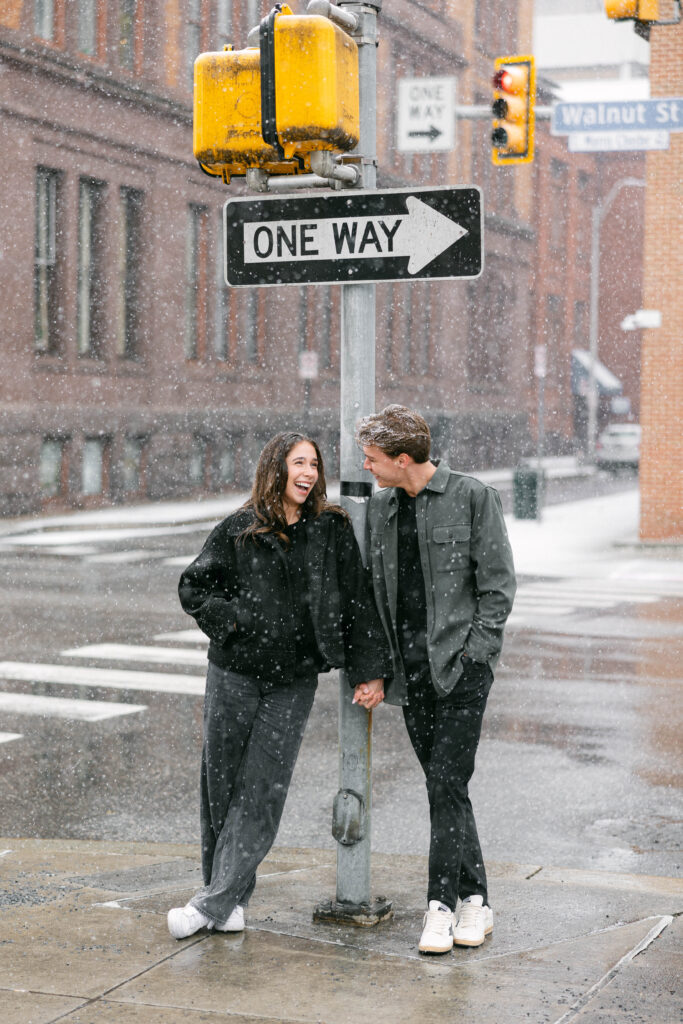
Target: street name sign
[[425, 119], [618, 115], [620, 141], [342, 237]]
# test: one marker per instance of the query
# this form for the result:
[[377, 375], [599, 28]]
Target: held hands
[[369, 694]]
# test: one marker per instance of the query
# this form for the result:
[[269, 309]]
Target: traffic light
[[632, 10], [271, 106], [514, 96]]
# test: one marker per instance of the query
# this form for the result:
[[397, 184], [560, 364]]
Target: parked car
[[618, 446]]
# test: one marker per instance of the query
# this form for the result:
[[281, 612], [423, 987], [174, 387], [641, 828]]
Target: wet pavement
[[577, 795], [84, 941]]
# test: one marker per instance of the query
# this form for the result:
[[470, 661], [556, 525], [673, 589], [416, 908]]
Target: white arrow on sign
[[421, 234]]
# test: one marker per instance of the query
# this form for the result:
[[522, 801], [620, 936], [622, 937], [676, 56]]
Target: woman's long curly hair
[[270, 481]]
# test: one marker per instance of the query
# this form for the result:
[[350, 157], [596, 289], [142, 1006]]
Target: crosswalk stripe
[[578, 594], [64, 707], [110, 678], [134, 555], [132, 652], [184, 636], [531, 613], [7, 737], [180, 560], [539, 601]]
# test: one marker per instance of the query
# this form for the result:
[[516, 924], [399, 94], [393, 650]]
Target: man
[[444, 582]]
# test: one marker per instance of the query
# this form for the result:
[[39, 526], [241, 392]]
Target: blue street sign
[[618, 115]]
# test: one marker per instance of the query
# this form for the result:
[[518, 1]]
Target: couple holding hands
[[281, 591]]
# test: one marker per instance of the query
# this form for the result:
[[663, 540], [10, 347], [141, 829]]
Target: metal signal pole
[[352, 805]]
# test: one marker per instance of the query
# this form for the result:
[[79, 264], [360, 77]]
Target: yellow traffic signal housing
[[632, 10], [271, 106], [316, 103], [227, 116], [514, 97]]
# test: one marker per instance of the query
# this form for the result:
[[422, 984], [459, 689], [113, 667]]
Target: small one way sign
[[341, 237]]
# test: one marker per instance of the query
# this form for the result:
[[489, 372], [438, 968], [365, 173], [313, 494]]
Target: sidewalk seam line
[[133, 977], [664, 921]]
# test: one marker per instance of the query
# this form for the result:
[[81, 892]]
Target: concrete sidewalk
[[84, 940]]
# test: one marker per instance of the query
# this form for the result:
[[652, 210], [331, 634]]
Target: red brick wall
[[661, 473]]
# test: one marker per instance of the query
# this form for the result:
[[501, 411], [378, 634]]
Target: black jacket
[[239, 594]]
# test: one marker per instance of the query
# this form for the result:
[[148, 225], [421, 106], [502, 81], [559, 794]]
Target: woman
[[280, 590]]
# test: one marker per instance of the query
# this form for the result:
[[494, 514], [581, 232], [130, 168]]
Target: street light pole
[[599, 213]]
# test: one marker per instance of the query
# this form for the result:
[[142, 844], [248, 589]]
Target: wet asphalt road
[[579, 763]]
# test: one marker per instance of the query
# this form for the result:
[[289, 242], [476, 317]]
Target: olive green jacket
[[468, 571]]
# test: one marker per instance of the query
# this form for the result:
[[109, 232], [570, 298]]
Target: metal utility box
[[316, 85]]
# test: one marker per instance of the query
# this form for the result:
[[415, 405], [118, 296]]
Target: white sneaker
[[474, 922], [437, 930], [235, 922], [185, 921]]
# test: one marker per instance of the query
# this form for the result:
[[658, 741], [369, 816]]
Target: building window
[[250, 326], [580, 333], [224, 21], [496, 26], [389, 310], [93, 469], [44, 18], [130, 263], [45, 262], [90, 312], [558, 220], [195, 281], [406, 340], [131, 466], [87, 26], [226, 465], [425, 329], [303, 319], [325, 328], [193, 36], [198, 462], [554, 333], [51, 467], [127, 15], [222, 306], [488, 332]]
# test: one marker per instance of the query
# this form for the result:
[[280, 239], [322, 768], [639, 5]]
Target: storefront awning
[[607, 383]]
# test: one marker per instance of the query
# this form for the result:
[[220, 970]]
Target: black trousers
[[445, 734], [252, 734]]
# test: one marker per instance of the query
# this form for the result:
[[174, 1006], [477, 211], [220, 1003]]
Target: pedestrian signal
[[632, 10], [271, 106], [514, 96]]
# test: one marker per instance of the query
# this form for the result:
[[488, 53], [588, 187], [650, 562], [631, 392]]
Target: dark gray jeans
[[252, 734]]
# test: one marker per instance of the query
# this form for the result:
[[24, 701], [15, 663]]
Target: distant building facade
[[661, 479], [132, 372]]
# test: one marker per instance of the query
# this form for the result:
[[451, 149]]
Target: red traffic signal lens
[[502, 79], [513, 79]]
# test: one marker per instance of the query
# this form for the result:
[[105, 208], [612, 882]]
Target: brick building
[[131, 371], [661, 475]]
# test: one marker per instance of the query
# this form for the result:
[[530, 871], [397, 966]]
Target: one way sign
[[397, 234], [425, 121]]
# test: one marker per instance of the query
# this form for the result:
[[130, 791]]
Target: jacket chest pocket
[[451, 547]]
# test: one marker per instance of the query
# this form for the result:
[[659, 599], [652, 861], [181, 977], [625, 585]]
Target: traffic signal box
[[271, 106], [514, 96], [632, 10]]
